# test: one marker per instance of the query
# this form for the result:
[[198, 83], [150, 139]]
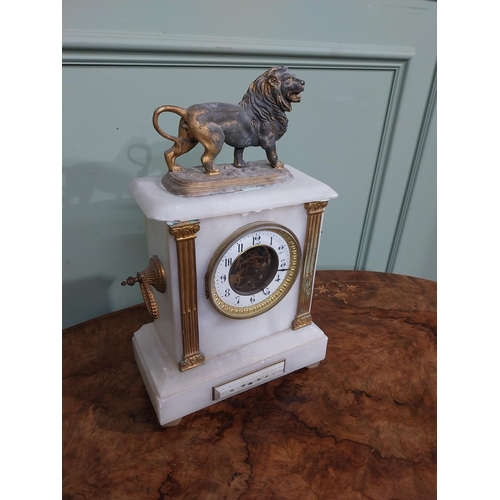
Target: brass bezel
[[246, 312]]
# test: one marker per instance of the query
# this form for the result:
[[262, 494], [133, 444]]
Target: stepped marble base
[[175, 394]]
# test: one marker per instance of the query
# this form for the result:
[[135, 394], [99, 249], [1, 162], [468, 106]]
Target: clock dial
[[253, 270]]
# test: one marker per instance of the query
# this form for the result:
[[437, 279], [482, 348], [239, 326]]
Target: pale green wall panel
[[417, 250], [376, 22], [108, 140], [404, 142], [341, 149]]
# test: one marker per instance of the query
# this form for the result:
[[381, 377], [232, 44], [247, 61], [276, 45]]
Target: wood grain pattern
[[362, 425]]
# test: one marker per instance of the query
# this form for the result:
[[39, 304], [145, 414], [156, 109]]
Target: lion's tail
[[171, 109]]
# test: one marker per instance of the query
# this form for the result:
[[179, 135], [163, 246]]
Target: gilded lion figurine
[[258, 120]]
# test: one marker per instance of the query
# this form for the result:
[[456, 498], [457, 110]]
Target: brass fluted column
[[185, 234], [314, 217]]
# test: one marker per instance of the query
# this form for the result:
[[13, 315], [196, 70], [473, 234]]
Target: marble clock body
[[194, 354]]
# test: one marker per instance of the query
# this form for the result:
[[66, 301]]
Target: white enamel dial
[[253, 269]]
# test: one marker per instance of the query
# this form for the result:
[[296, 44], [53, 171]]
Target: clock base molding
[[175, 394]]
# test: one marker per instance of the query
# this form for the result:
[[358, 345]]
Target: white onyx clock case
[[229, 285]]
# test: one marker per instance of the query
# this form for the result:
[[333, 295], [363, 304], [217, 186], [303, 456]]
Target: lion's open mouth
[[294, 96]]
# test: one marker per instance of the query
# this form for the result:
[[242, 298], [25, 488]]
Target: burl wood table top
[[362, 425]]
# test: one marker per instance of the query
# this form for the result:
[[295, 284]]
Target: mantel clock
[[229, 286], [233, 252]]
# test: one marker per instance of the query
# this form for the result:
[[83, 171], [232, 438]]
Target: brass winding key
[[152, 276]]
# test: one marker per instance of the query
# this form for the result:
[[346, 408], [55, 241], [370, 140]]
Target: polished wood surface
[[362, 425]]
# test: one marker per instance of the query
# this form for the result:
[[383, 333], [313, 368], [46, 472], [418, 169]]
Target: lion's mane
[[266, 101]]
